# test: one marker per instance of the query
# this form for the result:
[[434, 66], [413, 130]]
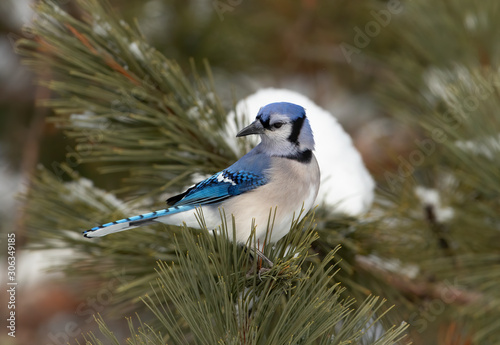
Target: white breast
[[292, 186]]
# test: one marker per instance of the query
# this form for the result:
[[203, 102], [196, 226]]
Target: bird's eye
[[277, 124]]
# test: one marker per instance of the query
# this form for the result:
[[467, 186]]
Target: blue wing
[[218, 187]]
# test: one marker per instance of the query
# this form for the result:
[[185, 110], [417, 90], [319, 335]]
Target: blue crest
[[293, 111]]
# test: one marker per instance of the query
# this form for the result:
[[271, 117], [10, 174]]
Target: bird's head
[[284, 129]]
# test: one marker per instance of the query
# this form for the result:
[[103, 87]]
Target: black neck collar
[[302, 157]]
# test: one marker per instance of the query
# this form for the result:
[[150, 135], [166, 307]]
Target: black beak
[[254, 128]]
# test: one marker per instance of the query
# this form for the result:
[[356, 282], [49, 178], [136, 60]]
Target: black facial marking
[[265, 123], [297, 126]]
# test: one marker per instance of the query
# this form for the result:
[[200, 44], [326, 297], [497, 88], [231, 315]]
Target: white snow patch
[[83, 188], [488, 147], [194, 113], [393, 265], [124, 24], [58, 10], [450, 84], [431, 197], [101, 29], [10, 186], [16, 13], [211, 97], [346, 185], [134, 49], [88, 119], [439, 84], [470, 21], [34, 265]]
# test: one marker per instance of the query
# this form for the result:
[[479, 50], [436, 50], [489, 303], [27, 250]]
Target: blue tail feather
[[129, 223]]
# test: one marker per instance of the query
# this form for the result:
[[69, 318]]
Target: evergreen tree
[[430, 245]]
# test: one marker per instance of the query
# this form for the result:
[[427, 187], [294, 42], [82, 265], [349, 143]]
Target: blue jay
[[279, 177]]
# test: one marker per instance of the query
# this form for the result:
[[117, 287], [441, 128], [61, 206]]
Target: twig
[[420, 289]]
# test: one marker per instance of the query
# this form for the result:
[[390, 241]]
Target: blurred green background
[[353, 58]]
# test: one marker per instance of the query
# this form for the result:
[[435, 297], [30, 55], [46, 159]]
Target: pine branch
[[123, 101], [211, 299], [418, 289]]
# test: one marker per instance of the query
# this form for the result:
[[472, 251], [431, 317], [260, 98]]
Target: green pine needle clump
[[209, 297], [126, 105]]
